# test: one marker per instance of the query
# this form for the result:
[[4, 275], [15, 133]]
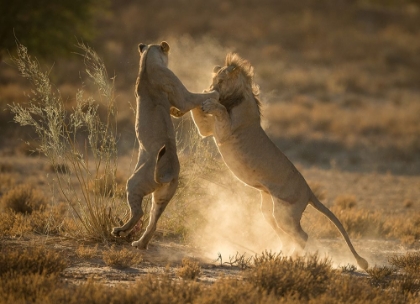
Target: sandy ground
[[373, 191]]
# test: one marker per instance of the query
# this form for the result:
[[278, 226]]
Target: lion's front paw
[[209, 106]]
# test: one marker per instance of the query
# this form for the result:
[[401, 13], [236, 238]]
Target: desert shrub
[[123, 258], [409, 262], [189, 270], [348, 268], [282, 275], [345, 202], [80, 140], [379, 275], [23, 199], [348, 289], [5, 167], [59, 168], [408, 285], [32, 260], [238, 260], [87, 252], [27, 288], [7, 180], [232, 290], [407, 282], [304, 277], [48, 221], [408, 203], [109, 186], [406, 228], [14, 224]]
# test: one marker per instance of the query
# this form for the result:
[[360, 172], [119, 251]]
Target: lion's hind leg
[[267, 211], [287, 216]]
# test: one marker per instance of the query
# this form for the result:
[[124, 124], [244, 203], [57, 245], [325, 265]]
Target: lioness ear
[[216, 68], [165, 46], [142, 46]]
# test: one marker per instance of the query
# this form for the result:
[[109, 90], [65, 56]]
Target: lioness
[[158, 93], [234, 122]]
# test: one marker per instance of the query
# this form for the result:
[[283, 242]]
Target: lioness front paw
[[209, 106], [175, 112], [215, 94], [119, 232]]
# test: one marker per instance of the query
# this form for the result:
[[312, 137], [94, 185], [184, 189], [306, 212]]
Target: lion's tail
[[167, 164], [324, 210]]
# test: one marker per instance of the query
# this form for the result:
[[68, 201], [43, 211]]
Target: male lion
[[234, 122], [159, 93]]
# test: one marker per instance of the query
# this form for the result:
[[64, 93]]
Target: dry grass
[[273, 279], [49, 221], [189, 270], [33, 260], [121, 258], [345, 202], [379, 275], [87, 252], [109, 186], [410, 262], [23, 199], [405, 227], [283, 276], [80, 141]]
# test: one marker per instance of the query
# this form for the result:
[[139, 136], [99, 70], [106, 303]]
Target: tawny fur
[[234, 122], [159, 93]]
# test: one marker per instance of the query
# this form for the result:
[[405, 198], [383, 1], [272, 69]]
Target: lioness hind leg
[[137, 188], [161, 198], [288, 216], [267, 211]]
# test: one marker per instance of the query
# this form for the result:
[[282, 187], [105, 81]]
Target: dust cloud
[[193, 60]]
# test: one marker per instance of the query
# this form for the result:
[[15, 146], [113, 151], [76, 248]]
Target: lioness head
[[234, 81], [160, 51]]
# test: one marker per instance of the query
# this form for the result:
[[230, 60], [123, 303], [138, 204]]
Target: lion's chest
[[241, 163]]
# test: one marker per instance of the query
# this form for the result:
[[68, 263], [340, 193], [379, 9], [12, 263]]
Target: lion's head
[[234, 81]]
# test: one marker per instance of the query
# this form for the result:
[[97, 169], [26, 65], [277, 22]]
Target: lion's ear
[[142, 46], [216, 68], [165, 46]]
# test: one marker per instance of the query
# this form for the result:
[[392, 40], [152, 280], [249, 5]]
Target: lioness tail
[[166, 162]]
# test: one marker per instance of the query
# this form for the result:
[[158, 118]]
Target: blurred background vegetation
[[340, 80]]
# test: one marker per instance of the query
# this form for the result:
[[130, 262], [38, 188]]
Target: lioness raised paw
[[210, 106]]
